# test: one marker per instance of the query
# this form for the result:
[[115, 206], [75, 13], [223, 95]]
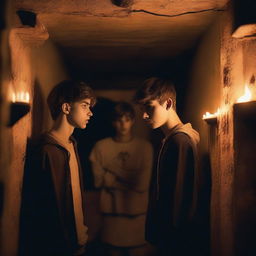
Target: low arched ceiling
[[97, 34]]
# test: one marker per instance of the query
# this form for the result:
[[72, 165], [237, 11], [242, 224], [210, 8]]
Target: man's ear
[[66, 108], [169, 103]]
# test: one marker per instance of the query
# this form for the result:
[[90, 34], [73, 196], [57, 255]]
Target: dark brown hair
[[121, 109], [155, 88], [68, 91]]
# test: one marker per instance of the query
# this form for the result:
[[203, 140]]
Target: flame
[[208, 115], [20, 97], [247, 95]]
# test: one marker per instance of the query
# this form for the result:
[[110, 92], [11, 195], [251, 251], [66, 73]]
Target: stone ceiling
[[134, 36]]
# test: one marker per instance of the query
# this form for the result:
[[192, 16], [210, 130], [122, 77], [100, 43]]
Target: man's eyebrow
[[86, 102]]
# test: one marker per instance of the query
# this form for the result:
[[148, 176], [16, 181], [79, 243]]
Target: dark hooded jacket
[[174, 191], [47, 222]]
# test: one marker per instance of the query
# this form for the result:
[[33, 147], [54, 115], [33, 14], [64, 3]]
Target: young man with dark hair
[[122, 169], [52, 212], [172, 207]]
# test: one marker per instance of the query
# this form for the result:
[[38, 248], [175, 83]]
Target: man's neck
[[62, 129], [173, 121], [123, 138]]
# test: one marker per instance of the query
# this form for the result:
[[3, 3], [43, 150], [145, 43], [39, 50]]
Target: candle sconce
[[17, 111], [211, 119], [19, 107]]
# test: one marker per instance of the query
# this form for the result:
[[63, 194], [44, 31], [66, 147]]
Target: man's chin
[[82, 126], [154, 126], [151, 125]]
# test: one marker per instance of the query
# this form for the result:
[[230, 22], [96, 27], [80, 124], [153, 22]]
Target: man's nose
[[90, 113], [145, 115]]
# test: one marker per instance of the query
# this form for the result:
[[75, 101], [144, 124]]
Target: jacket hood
[[187, 129], [46, 138]]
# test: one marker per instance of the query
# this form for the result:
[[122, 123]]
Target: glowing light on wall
[[212, 118], [19, 107], [22, 97], [247, 95], [208, 115]]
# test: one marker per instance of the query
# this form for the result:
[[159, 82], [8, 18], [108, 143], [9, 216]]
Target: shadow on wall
[[1, 198], [206, 180], [244, 202], [99, 127], [26, 196], [37, 112], [203, 210], [2, 26], [2, 16]]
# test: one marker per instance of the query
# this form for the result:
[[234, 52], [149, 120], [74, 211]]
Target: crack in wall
[[125, 12], [179, 14]]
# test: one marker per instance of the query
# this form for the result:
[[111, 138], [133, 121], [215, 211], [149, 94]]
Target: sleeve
[[115, 181], [97, 168], [137, 179], [103, 176], [40, 210], [185, 192]]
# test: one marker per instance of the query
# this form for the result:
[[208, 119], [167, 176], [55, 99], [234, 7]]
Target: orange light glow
[[208, 115], [20, 97], [247, 95]]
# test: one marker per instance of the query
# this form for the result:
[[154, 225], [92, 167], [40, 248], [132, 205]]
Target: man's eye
[[85, 105]]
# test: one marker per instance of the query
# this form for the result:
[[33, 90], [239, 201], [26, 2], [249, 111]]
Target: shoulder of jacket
[[179, 139], [53, 149]]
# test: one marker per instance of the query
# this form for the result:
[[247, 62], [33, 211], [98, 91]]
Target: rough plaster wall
[[204, 88], [249, 64], [28, 64], [4, 111], [49, 70], [205, 95], [232, 86], [218, 80], [244, 203], [16, 138]]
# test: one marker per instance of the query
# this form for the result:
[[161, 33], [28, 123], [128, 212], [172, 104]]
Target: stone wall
[[33, 66], [222, 67]]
